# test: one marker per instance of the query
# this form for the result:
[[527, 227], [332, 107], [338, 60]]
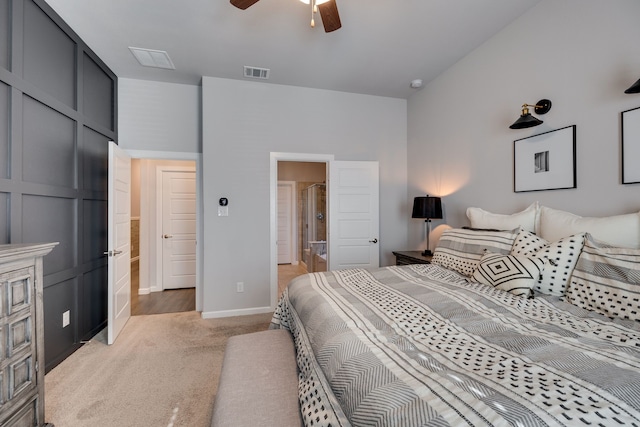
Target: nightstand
[[411, 257]]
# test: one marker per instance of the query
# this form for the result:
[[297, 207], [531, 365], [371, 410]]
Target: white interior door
[[119, 241], [353, 215], [178, 229], [285, 222]]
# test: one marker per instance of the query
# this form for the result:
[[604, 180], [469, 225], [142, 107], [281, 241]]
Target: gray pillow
[[460, 250]]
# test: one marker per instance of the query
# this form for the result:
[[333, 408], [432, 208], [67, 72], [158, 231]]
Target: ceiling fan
[[328, 11]]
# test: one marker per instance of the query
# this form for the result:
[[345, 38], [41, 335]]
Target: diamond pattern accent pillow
[[562, 255], [510, 273], [461, 249], [606, 280]]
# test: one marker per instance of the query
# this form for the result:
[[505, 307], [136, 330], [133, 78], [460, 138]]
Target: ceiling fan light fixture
[[327, 8]]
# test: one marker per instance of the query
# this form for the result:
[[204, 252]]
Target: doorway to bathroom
[[352, 215], [302, 219]]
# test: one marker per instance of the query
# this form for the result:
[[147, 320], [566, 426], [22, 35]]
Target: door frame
[[160, 169], [274, 158], [144, 243]]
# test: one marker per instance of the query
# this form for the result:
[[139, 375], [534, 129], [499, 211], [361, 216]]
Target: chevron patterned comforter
[[420, 346]]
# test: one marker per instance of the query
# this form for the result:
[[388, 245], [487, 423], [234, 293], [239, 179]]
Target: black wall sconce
[[635, 88], [526, 120]]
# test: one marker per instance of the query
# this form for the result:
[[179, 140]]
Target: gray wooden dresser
[[21, 335]]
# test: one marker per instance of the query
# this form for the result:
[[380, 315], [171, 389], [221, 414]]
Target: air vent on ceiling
[[152, 58], [256, 73]]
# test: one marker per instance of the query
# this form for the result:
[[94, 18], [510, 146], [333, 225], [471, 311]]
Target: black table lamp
[[429, 208]]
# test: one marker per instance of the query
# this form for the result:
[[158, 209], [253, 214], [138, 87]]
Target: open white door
[[119, 251], [353, 215]]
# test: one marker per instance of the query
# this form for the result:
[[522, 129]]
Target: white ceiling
[[381, 47]]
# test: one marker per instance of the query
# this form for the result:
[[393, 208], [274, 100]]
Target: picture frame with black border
[[630, 145], [546, 161]]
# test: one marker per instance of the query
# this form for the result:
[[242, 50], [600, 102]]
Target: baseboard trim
[[240, 312]]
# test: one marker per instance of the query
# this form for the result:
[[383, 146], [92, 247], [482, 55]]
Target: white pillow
[[618, 230], [482, 219], [510, 273], [562, 257]]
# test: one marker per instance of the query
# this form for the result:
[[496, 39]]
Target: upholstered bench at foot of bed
[[259, 382]]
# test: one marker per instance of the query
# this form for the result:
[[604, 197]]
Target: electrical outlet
[[240, 287], [66, 319]]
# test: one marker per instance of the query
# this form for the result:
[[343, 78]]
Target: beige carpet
[[163, 370]]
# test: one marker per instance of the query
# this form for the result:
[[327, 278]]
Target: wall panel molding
[[54, 185]]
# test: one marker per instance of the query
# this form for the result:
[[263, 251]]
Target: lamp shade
[[526, 121], [427, 207], [635, 88]]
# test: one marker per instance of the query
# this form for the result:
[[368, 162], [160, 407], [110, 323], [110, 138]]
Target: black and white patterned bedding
[[420, 346]]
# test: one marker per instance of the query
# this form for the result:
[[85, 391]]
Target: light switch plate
[[223, 210]]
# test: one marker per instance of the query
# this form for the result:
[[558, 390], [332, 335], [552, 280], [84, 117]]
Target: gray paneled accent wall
[[57, 114]]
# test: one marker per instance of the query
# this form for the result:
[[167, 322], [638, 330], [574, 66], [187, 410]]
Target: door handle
[[373, 241], [168, 236], [112, 253]]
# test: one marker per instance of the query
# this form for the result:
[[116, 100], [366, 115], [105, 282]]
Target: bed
[[466, 341]]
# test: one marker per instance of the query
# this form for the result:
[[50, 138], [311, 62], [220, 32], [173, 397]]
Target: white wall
[[243, 122], [156, 116], [581, 54]]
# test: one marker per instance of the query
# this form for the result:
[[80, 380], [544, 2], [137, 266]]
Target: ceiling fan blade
[[243, 4], [330, 16]]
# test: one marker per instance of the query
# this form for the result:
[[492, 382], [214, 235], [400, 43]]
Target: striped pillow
[[460, 250], [606, 280], [514, 274]]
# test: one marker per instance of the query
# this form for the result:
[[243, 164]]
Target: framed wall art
[[546, 161], [631, 146]]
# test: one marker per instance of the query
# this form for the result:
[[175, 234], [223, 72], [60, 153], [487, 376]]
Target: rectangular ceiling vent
[[256, 73], [152, 58]]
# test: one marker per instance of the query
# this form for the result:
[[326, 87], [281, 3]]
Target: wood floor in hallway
[[169, 301]]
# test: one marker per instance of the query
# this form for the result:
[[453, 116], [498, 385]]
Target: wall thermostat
[[223, 208]]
